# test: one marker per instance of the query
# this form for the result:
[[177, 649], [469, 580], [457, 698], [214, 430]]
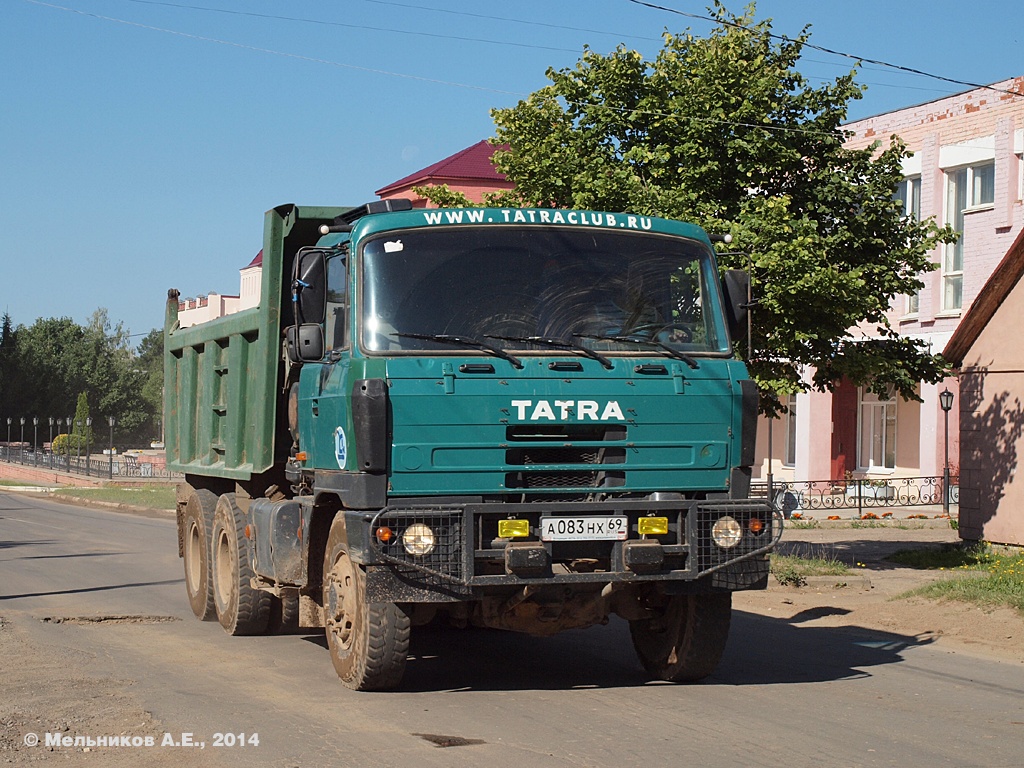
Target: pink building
[[214, 305], [468, 171], [966, 171]]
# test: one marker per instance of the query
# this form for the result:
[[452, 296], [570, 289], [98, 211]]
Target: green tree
[[81, 429], [44, 366], [725, 132], [151, 362]]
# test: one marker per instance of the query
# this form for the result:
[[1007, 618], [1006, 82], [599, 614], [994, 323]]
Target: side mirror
[[735, 289], [309, 287], [304, 343]]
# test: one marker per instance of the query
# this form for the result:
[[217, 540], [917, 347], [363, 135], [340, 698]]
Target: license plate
[[583, 528]]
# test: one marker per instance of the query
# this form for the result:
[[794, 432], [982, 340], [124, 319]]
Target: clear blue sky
[[141, 141]]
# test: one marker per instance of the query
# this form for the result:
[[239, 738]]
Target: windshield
[[524, 288]]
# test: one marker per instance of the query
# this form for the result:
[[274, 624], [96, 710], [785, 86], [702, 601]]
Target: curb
[[111, 506]]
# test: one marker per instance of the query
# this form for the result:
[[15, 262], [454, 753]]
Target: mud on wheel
[[241, 610], [198, 522], [369, 642], [683, 642]]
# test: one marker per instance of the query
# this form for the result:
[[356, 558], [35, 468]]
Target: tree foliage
[[725, 132], [48, 367]]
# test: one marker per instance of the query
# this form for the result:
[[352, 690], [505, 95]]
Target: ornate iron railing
[[122, 467], [793, 496]]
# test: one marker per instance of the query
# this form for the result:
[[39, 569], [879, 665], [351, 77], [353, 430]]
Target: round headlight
[[418, 539], [726, 532]]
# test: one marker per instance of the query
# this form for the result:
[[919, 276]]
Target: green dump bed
[[222, 377]]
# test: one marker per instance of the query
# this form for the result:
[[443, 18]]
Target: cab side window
[[337, 303]]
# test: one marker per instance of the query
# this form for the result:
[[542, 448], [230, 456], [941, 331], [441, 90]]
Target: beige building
[[990, 359]]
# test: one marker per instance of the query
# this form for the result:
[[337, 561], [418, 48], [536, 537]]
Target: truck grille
[[568, 464]]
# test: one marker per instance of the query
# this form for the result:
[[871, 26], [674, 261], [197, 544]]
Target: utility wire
[[325, 23], [652, 113], [271, 51], [830, 51], [503, 19]]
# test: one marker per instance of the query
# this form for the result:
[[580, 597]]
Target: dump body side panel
[[223, 378]]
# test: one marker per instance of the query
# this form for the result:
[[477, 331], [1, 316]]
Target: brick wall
[[953, 119]]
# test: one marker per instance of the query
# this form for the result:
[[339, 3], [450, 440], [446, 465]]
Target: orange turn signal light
[[756, 525], [300, 456], [384, 534], [248, 531]]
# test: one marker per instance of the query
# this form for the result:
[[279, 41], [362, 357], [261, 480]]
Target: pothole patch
[[448, 741], [108, 619]]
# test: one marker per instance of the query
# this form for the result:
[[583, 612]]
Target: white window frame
[[876, 431], [790, 447], [911, 209], [957, 205]]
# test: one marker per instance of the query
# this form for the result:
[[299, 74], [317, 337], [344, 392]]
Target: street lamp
[[8, 438], [21, 444], [78, 444], [51, 439], [110, 470], [946, 403], [35, 440], [88, 430]]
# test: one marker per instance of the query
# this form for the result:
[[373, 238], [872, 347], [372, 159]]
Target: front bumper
[[469, 559]]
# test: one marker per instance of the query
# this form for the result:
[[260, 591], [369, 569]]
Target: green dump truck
[[523, 419]]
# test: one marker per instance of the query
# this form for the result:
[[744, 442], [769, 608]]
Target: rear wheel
[[284, 615], [199, 510], [369, 642], [241, 609], [684, 642]]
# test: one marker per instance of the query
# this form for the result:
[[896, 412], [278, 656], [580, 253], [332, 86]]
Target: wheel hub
[[339, 603]]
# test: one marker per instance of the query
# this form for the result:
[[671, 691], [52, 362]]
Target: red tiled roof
[[257, 260], [472, 163]]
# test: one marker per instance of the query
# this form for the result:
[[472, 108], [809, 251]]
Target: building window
[[966, 188], [877, 430], [908, 192], [789, 459]]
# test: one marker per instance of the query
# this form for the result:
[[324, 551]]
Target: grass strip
[[160, 497], [978, 574]]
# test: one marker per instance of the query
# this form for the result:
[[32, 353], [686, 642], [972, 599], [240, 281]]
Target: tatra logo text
[[567, 410], [538, 216]]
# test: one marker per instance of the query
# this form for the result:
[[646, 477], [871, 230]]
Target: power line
[[364, 27], [830, 51], [435, 81], [273, 52]]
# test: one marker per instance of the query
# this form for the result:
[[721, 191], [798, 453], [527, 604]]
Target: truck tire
[[241, 609], [284, 615], [684, 643], [369, 642], [198, 523]]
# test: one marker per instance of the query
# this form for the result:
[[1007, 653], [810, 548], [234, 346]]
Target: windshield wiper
[[675, 353], [463, 341], [558, 344]]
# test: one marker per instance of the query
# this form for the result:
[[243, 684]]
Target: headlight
[[726, 532], [418, 539]]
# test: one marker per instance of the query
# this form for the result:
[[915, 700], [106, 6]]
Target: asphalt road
[[786, 693]]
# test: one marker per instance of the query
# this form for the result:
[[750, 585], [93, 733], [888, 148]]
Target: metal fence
[[793, 496], [124, 466]]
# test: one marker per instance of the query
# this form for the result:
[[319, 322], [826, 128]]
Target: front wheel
[[684, 641], [241, 609], [369, 642]]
